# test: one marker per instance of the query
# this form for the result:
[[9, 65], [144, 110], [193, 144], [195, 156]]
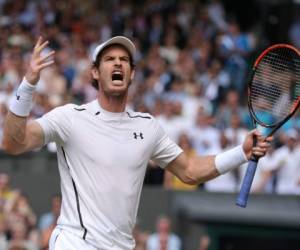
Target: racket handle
[[246, 185]]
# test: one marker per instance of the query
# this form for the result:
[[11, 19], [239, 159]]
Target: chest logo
[[138, 135]]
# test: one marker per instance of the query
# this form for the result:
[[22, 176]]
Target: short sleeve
[[165, 150], [57, 124]]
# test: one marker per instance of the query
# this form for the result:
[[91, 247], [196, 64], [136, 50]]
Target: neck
[[115, 104]]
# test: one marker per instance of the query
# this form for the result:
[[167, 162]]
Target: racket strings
[[275, 85]]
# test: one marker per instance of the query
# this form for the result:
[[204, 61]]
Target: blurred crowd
[[192, 63], [20, 228]]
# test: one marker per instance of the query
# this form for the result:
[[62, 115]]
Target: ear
[[95, 73], [132, 75]]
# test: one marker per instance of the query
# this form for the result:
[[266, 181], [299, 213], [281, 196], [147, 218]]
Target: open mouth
[[117, 76]]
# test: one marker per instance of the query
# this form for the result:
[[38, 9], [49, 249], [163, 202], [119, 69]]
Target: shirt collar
[[98, 110]]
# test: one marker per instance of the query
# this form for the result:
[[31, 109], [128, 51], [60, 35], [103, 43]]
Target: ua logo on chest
[[138, 135]]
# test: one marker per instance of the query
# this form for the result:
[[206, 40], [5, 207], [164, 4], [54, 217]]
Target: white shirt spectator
[[288, 175]]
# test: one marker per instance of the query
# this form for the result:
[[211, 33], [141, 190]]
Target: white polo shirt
[[102, 158]]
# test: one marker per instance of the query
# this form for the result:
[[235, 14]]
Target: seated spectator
[[288, 171], [6, 193], [206, 138], [170, 180], [19, 238], [265, 175], [163, 238], [214, 82], [49, 218], [226, 182], [140, 238], [231, 106], [3, 236], [19, 211]]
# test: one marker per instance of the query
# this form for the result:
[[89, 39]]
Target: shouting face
[[115, 72]]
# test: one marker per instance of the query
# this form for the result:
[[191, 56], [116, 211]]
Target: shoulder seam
[[80, 109], [138, 116]]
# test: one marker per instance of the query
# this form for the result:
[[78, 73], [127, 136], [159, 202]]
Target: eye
[[108, 58], [124, 59]]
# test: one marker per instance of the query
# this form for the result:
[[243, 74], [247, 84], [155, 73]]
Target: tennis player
[[103, 150]]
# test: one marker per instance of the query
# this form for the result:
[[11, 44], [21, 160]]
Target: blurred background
[[192, 63]]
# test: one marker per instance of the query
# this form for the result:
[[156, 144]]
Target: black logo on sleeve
[[138, 135], [18, 97]]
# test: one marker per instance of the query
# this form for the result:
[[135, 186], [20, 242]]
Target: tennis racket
[[273, 98]]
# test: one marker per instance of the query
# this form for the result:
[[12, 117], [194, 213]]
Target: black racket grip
[[246, 185]]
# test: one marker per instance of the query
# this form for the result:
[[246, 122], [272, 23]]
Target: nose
[[117, 61]]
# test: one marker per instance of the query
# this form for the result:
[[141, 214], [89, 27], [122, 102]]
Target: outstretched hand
[[261, 147], [38, 61]]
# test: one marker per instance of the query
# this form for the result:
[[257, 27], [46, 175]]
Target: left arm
[[193, 171], [200, 169]]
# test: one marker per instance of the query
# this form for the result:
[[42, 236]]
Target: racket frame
[[248, 178], [252, 113]]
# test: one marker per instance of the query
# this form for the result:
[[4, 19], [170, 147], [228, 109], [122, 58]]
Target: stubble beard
[[122, 93]]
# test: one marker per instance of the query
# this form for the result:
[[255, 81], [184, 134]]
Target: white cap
[[122, 40]]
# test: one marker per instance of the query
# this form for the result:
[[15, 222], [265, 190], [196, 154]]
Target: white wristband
[[230, 159], [21, 103]]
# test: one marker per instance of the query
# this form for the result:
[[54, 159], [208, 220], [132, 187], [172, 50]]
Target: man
[[103, 151], [163, 238]]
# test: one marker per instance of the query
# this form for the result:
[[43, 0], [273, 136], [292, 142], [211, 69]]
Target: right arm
[[20, 136]]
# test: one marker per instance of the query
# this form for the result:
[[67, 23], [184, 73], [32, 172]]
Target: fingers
[[262, 146], [45, 57], [262, 143], [44, 65], [259, 152], [269, 138], [39, 41], [259, 136], [40, 61], [40, 45]]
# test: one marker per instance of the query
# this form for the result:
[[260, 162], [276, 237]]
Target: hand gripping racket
[[273, 98]]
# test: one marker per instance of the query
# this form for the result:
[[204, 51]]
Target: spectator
[[171, 119], [214, 82], [287, 160], [19, 238], [6, 193], [226, 182], [170, 180], [140, 238], [206, 138], [3, 236], [163, 238], [231, 106], [169, 50], [19, 211], [265, 175], [49, 218], [234, 46]]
